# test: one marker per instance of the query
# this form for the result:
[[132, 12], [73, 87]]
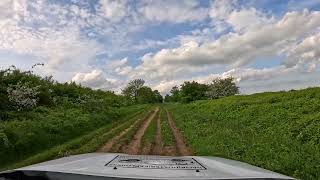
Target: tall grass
[[84, 144], [40, 131], [277, 131]]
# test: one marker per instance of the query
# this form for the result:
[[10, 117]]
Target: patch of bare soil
[[157, 149], [181, 146], [112, 143], [134, 145], [146, 149], [169, 151]]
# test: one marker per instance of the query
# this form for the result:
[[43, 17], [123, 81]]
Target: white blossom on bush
[[23, 96]]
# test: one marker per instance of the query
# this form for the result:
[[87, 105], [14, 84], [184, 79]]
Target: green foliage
[[157, 97], [146, 95], [222, 88], [38, 113], [87, 143], [131, 90], [277, 131], [23, 90], [192, 91], [137, 93], [175, 94]]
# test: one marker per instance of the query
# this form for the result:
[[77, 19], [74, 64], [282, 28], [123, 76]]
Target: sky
[[266, 45]]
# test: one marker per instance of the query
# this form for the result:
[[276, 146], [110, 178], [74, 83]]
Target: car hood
[[123, 166]]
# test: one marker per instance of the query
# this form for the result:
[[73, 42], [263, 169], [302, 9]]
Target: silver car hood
[[122, 166]]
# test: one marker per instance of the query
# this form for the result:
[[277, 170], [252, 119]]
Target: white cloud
[[306, 52], [126, 70], [114, 10], [69, 37], [54, 48], [117, 63], [16, 9], [245, 19], [55, 41], [164, 87], [242, 74], [94, 79], [240, 18], [120, 67], [232, 49], [221, 9], [173, 11]]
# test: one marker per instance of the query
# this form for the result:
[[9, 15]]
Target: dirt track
[[157, 150], [181, 146], [134, 146], [129, 140], [107, 147]]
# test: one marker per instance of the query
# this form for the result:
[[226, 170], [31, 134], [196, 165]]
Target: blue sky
[[267, 45]]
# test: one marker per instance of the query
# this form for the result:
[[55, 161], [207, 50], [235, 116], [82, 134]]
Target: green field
[[277, 131]]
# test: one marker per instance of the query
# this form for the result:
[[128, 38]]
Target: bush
[[221, 88], [23, 96], [192, 91], [38, 113]]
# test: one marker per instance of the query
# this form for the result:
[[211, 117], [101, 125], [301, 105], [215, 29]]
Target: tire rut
[[181, 146], [107, 147], [157, 150], [134, 145]]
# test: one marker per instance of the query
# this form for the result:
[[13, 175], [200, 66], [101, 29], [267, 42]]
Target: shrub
[[221, 88], [23, 96]]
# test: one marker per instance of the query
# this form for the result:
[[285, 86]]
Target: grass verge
[[276, 131], [84, 144]]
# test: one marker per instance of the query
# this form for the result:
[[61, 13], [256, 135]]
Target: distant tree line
[[24, 91], [191, 91], [137, 93]]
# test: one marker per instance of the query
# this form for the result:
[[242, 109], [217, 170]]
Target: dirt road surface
[[157, 150], [130, 139], [181, 146], [107, 147], [134, 146]]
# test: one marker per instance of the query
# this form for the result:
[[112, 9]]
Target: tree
[[222, 87], [175, 94], [158, 97], [167, 98], [191, 91], [131, 90], [146, 95]]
